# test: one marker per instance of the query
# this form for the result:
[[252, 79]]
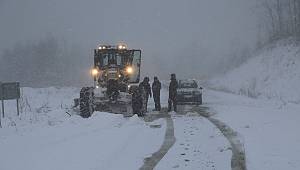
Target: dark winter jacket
[[156, 86], [137, 100], [173, 89], [147, 88]]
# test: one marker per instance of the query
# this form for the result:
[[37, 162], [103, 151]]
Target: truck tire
[[86, 102]]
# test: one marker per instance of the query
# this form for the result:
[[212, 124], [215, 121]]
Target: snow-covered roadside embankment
[[273, 73]]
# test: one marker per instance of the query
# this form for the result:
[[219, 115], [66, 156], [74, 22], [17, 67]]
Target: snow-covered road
[[199, 145], [268, 129]]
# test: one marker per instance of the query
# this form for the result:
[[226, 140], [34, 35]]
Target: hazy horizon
[[191, 38]]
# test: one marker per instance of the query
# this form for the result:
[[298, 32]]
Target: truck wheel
[[86, 102]]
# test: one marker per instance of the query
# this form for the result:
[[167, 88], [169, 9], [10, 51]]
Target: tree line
[[47, 62], [281, 18]]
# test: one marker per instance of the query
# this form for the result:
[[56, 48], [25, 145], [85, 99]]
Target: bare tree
[[282, 18]]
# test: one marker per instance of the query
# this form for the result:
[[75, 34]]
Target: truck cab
[[116, 65]]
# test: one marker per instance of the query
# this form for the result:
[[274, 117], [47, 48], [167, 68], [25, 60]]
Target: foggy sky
[[197, 34]]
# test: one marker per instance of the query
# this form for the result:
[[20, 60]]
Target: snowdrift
[[45, 137], [39, 107], [274, 73]]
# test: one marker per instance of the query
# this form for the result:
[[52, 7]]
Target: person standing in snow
[[173, 93], [156, 86], [143, 97], [137, 101], [145, 86]]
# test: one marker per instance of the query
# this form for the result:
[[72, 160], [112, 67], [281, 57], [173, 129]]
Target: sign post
[[18, 112], [10, 91]]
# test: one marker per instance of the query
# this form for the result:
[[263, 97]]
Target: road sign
[[10, 91]]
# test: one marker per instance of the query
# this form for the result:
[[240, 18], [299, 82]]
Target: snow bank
[[38, 107], [45, 137], [273, 73]]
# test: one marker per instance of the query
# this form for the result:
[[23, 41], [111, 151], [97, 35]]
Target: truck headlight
[[129, 70], [121, 47], [95, 72]]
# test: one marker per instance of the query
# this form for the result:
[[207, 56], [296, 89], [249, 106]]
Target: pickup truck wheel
[[200, 102]]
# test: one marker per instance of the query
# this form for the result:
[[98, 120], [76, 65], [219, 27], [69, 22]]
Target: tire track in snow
[[169, 140], [238, 159]]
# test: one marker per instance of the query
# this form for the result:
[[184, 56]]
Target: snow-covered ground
[[104, 141], [45, 137], [268, 122], [269, 129], [199, 145]]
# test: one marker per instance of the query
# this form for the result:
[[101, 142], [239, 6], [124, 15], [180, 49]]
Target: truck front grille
[[112, 75]]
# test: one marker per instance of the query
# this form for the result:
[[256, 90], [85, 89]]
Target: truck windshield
[[111, 58]]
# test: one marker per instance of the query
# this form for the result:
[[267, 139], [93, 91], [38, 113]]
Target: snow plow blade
[[115, 107]]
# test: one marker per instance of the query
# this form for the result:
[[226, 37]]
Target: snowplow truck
[[115, 72]]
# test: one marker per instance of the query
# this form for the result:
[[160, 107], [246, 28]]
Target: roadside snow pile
[[38, 106], [273, 73], [45, 137], [103, 141]]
